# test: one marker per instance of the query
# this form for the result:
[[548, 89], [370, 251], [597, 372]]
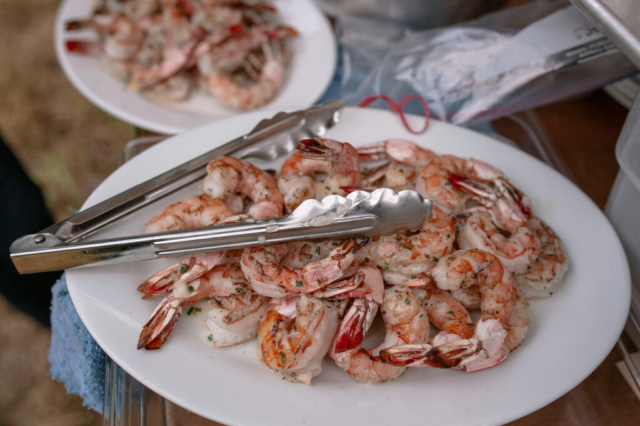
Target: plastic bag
[[502, 63]]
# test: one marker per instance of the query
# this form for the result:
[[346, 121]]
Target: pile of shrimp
[[233, 50], [451, 294]]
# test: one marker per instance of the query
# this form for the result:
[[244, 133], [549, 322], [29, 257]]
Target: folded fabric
[[75, 358]]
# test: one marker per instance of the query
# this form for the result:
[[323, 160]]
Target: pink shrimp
[[223, 281], [338, 160], [269, 277], [414, 253], [232, 176], [405, 321], [502, 327], [295, 335]]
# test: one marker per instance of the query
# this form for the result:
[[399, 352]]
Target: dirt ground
[[68, 147]]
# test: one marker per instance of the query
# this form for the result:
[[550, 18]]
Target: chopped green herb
[[435, 259], [401, 171], [409, 248], [327, 188], [392, 254], [319, 282], [184, 269], [367, 260], [450, 312], [335, 243], [210, 339], [190, 311], [448, 235], [386, 266], [283, 357], [318, 249], [298, 283], [447, 184], [413, 277], [407, 301], [190, 289]]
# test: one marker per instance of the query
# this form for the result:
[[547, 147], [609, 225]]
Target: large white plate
[[313, 62], [570, 334]]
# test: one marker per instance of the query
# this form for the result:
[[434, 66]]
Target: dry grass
[[66, 144]]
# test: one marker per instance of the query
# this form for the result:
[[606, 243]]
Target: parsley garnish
[[184, 269], [407, 301], [413, 277], [435, 259], [450, 312], [318, 249], [298, 283], [190, 311], [190, 289], [386, 266]]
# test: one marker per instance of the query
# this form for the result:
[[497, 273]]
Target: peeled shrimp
[[414, 253], [269, 277], [405, 321], [496, 333], [192, 212], [178, 274], [231, 176], [223, 281], [222, 86], [295, 335], [403, 151], [516, 251], [544, 275], [338, 160]]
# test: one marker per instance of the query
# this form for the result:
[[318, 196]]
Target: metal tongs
[[382, 212]]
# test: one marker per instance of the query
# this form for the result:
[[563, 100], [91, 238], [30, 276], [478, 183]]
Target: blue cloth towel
[[75, 358]]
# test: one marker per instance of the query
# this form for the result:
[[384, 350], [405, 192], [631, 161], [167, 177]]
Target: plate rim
[[560, 391], [159, 127]]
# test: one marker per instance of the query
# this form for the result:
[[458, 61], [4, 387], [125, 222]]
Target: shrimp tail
[[448, 355], [343, 289], [160, 325], [355, 325], [316, 149], [182, 272]]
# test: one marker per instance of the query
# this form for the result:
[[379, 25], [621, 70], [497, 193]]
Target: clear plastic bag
[[502, 63]]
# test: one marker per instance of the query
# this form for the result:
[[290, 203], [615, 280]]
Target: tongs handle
[[360, 214], [312, 121]]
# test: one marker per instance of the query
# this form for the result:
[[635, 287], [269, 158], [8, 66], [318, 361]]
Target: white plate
[[570, 334], [313, 62]]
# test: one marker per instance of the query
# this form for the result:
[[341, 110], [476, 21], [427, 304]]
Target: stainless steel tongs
[[382, 212]]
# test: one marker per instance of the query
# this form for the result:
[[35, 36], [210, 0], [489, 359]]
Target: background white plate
[[570, 334], [313, 61]]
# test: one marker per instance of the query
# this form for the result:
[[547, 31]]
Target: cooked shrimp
[[178, 274], [338, 160], [223, 86], [295, 335], [269, 277], [359, 318], [231, 176], [433, 182], [121, 37], [544, 275], [403, 151], [405, 322], [499, 297], [229, 54], [390, 175], [414, 253], [176, 54], [447, 314], [194, 211], [516, 251], [235, 318], [223, 281]]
